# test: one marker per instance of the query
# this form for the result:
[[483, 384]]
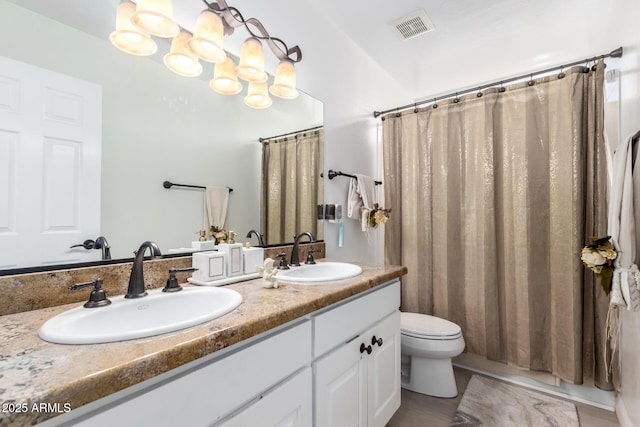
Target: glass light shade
[[224, 79], [127, 37], [284, 83], [251, 67], [207, 38], [180, 59], [258, 96], [156, 18]]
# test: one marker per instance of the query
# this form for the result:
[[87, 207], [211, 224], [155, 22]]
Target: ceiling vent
[[412, 25]]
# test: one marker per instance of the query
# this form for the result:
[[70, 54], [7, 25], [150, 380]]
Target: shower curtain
[[492, 199], [291, 186]]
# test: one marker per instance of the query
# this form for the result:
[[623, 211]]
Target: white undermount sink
[[321, 272], [126, 319]]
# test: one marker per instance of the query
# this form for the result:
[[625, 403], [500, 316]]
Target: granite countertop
[[65, 377]]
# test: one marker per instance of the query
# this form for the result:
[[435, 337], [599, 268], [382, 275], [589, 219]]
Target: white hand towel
[[367, 189], [216, 202], [361, 195], [354, 201]]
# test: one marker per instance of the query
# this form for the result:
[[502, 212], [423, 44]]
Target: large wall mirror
[[154, 126]]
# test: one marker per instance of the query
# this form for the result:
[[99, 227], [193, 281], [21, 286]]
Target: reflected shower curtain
[[291, 186], [499, 193]]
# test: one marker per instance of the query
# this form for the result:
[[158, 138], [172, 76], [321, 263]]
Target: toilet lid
[[425, 326]]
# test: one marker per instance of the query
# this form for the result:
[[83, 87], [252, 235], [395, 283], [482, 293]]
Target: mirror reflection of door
[[291, 186], [50, 151]]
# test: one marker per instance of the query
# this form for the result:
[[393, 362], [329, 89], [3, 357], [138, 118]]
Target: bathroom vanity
[[279, 355]]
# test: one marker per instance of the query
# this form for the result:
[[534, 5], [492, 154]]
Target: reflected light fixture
[[224, 80], [155, 18], [180, 59], [258, 96], [127, 37]]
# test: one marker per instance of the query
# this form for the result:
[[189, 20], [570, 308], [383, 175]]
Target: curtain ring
[[456, 99], [398, 114], [586, 67], [531, 82], [501, 89], [415, 108], [435, 104], [562, 74], [479, 94]]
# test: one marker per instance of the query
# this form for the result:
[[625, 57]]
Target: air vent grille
[[412, 25]]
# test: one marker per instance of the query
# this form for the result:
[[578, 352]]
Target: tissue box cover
[[253, 258], [234, 257], [210, 266]]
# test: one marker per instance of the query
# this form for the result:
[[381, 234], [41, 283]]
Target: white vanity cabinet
[[339, 366], [357, 382]]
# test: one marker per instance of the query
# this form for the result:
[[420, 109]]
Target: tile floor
[[418, 410]]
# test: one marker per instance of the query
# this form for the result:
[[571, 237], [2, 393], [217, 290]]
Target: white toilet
[[427, 345]]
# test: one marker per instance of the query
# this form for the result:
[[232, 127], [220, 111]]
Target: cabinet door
[[288, 405], [340, 387], [383, 366]]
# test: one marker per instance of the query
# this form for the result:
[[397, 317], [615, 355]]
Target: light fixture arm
[[232, 18]]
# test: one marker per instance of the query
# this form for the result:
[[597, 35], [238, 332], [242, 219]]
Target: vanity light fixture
[[284, 84], [127, 37], [155, 18], [251, 66], [207, 38]]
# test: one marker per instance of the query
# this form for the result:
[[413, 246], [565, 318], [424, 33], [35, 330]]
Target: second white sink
[[127, 319], [321, 272]]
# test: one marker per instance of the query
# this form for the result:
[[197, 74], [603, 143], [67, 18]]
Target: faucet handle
[[97, 298], [283, 261], [172, 282], [310, 259]]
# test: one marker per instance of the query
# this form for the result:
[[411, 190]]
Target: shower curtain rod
[[290, 133], [616, 53]]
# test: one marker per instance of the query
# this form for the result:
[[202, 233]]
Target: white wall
[[351, 86]]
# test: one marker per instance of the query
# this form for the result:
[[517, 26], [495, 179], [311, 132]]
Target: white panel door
[[50, 157]]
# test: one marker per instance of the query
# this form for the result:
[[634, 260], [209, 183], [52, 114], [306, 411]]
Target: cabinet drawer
[[344, 322], [211, 391], [288, 405]]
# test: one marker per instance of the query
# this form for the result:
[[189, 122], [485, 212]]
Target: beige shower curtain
[[492, 200], [291, 186]]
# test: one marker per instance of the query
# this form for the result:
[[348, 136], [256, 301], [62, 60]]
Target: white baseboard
[[623, 415]]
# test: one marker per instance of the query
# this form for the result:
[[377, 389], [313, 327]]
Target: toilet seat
[[424, 326]]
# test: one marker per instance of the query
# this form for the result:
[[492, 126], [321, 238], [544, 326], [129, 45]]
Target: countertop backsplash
[[34, 291]]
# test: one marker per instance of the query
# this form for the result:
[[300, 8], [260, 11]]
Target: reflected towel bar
[[332, 174], [169, 184]]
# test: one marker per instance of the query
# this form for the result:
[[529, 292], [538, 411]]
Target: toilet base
[[434, 377]]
